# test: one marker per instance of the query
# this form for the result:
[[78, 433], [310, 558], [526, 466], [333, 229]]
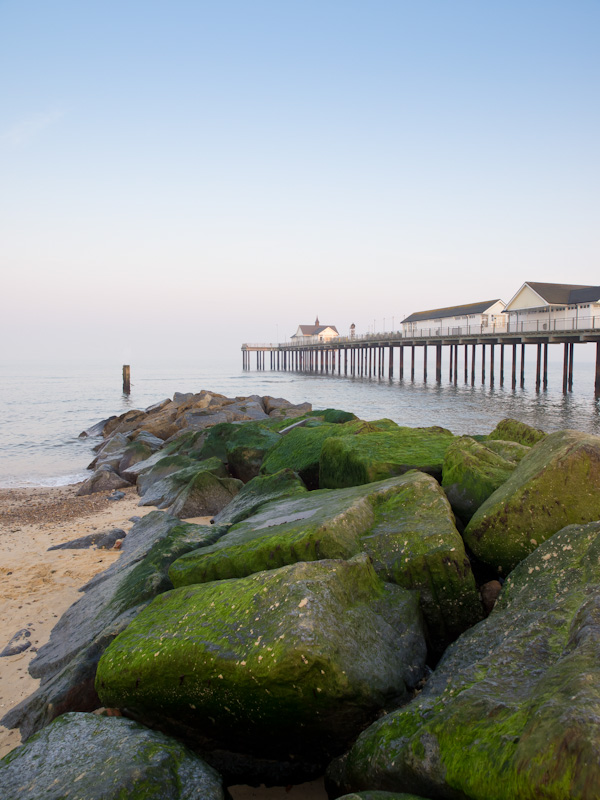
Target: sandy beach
[[37, 586]]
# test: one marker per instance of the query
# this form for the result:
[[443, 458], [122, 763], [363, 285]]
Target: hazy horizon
[[180, 179]]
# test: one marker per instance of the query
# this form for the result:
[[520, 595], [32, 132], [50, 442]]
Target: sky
[[179, 178]]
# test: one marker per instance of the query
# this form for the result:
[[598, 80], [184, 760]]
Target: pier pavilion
[[470, 350]]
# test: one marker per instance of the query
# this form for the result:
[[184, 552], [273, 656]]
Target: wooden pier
[[379, 355]]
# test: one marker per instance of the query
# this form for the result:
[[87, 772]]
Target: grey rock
[[102, 540], [18, 643], [104, 479], [92, 757]]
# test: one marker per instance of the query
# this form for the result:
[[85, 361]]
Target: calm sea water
[[43, 410]]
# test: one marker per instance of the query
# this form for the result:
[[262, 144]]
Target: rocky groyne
[[410, 612]]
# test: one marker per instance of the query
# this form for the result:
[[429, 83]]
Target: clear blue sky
[[186, 176]]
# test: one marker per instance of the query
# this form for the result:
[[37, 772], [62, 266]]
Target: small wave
[[59, 480]]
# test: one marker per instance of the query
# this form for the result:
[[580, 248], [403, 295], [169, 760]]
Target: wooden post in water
[[597, 381], [514, 366], [126, 379], [501, 365], [473, 352], [522, 366], [455, 364], [571, 354], [565, 367], [538, 368], [545, 376], [483, 364], [412, 362], [450, 363], [425, 364], [466, 363], [438, 363], [401, 367], [492, 364]]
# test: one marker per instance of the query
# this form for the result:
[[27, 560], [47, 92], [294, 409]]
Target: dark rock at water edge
[[91, 757], [104, 479]]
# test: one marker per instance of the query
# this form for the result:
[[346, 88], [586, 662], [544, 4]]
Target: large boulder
[[513, 708], [414, 543], [556, 484], [66, 665], [289, 662], [405, 524], [511, 430], [242, 447], [471, 473], [161, 484], [90, 757], [259, 491], [204, 495], [354, 460]]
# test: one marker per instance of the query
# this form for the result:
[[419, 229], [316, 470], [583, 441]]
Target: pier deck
[[366, 355]]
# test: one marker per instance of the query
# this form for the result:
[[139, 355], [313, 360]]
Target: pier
[[470, 353]]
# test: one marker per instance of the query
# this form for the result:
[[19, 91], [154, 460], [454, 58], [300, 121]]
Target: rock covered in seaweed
[[472, 471], [512, 710], [376, 455], [92, 757], [556, 484], [289, 661]]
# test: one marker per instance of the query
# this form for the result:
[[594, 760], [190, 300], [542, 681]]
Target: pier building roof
[[535, 295], [452, 311]]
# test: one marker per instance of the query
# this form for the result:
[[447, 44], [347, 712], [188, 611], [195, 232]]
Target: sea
[[44, 408]]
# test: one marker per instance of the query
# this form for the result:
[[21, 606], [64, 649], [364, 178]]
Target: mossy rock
[[511, 430], [205, 495], [307, 527], [405, 524], [355, 460], [161, 484], [242, 447], [134, 453], [92, 757], [512, 709], [471, 473], [334, 415], [286, 663], [511, 451], [259, 491], [414, 543], [300, 450], [556, 484]]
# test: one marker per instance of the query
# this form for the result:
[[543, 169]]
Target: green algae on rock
[[414, 543], [91, 757], [405, 524], [205, 495], [373, 456], [289, 661], [513, 708], [160, 485], [511, 430], [259, 491], [472, 471], [556, 484]]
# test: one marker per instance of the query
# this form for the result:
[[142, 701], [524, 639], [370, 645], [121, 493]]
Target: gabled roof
[[452, 311], [565, 293], [315, 330]]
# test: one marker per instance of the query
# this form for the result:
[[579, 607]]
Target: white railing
[[513, 325]]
